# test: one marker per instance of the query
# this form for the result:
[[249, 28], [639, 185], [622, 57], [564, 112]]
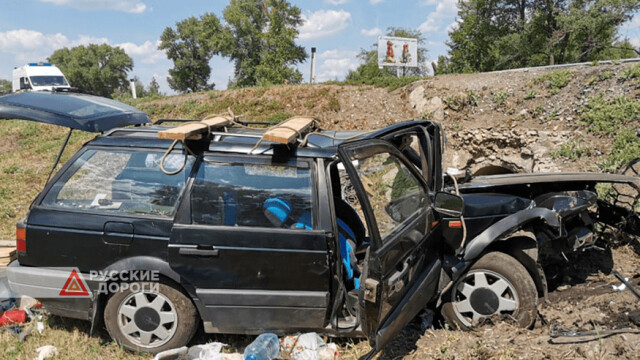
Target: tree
[[191, 46], [140, 90], [98, 69], [154, 88], [369, 58], [495, 35], [5, 87], [259, 37]]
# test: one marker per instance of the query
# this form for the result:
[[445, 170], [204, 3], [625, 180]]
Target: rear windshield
[[51, 80], [126, 182]]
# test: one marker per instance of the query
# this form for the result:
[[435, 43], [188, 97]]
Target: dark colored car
[[348, 234]]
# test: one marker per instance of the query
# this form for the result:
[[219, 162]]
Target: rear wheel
[[496, 285], [150, 318]]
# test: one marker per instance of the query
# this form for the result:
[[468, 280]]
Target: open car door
[[402, 264]]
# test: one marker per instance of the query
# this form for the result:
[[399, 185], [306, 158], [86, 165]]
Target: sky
[[31, 30]]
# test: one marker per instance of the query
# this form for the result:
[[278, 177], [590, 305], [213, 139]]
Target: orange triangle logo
[[74, 286]]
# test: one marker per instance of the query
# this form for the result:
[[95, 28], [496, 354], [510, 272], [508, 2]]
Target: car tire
[[150, 317], [496, 285]]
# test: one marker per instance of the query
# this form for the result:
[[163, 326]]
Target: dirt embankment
[[511, 121]]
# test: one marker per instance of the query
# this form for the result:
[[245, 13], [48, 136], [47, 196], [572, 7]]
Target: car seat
[[278, 211]]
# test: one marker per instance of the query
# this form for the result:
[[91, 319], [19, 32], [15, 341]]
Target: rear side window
[[260, 195], [127, 182]]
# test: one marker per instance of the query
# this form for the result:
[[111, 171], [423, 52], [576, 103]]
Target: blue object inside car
[[278, 211]]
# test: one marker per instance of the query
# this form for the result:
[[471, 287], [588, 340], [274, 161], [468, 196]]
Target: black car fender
[[143, 263], [496, 232]]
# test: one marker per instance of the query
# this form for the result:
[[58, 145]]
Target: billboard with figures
[[397, 51]]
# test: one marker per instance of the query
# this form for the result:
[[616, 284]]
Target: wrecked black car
[[291, 228]]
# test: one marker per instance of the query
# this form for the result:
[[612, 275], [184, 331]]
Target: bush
[[571, 150], [500, 97], [607, 116], [530, 95], [556, 79], [626, 147], [631, 73]]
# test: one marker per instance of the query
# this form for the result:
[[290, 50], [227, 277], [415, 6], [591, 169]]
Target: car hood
[[76, 111], [532, 185]]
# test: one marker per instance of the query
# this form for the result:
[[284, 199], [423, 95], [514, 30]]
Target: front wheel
[[497, 284], [150, 317]]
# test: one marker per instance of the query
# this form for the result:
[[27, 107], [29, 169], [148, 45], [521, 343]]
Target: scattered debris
[[24, 333], [7, 255], [563, 332], [172, 354], [309, 346], [46, 352], [625, 283], [264, 347], [11, 317], [210, 351], [27, 302]]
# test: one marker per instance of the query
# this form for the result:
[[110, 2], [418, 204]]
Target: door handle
[[396, 282], [198, 252], [117, 233]]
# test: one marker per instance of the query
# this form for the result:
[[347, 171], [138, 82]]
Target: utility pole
[[312, 77], [132, 84]]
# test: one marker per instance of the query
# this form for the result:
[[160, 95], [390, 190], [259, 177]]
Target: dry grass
[[71, 339], [27, 152]]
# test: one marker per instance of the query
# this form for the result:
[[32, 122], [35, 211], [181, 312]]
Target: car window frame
[[39, 201], [374, 231], [186, 211]]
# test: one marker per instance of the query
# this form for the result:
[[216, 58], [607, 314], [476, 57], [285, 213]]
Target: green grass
[[500, 97], [604, 116], [605, 75], [626, 147], [631, 73], [27, 154], [141, 100], [556, 79], [571, 150], [460, 101], [530, 95]]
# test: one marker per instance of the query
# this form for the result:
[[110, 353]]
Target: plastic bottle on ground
[[264, 347]]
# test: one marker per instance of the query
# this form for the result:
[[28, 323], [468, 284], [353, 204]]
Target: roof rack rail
[[287, 132], [241, 122], [161, 121]]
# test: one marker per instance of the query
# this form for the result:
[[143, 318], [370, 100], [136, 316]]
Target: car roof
[[243, 140]]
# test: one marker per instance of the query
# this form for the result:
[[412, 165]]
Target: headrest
[[277, 211]]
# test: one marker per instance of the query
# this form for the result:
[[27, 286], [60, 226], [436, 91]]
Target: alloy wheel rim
[[147, 319], [483, 293]]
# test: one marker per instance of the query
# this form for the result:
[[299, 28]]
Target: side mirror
[[449, 204]]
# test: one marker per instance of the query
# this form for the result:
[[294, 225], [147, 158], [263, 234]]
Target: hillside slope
[[515, 121]]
